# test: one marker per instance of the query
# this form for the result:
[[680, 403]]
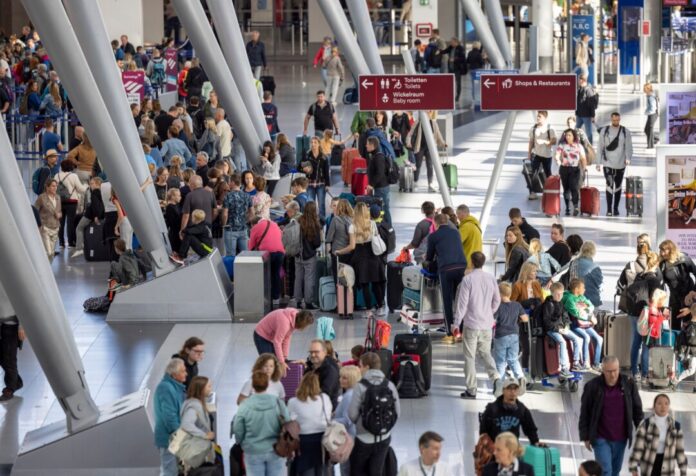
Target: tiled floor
[[123, 358]]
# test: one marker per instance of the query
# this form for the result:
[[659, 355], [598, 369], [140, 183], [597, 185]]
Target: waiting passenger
[[557, 326], [273, 333], [326, 367], [516, 253], [507, 334], [546, 264], [430, 449], [267, 363], [195, 419], [507, 413], [125, 271], [191, 353], [167, 402], [196, 236], [581, 312], [508, 452]]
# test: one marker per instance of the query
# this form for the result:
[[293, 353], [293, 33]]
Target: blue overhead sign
[[476, 81], [584, 24]]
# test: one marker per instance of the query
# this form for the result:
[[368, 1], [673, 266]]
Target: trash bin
[[252, 286]]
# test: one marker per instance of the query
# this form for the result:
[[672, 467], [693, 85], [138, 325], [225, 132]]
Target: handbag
[[378, 245], [336, 440], [644, 322], [288, 443], [191, 450]]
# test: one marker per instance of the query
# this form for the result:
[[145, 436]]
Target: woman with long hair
[[658, 447], [316, 167], [546, 264], [369, 269], [176, 165], [262, 200], [69, 205], [516, 253], [415, 141], [651, 112], [84, 156], [52, 103], [571, 160], [678, 271], [269, 166], [590, 273], [268, 364], [306, 260], [340, 236], [287, 154], [527, 290], [150, 136], [249, 183], [48, 205], [311, 408], [191, 353], [195, 418]]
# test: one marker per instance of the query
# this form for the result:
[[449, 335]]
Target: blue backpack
[[158, 72]]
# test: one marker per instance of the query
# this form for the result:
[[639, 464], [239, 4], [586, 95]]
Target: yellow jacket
[[470, 235]]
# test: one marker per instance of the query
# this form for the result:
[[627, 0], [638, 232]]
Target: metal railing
[[25, 130]]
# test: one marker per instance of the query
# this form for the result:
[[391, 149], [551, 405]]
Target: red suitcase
[[347, 164], [358, 183], [552, 359], [358, 163], [589, 199], [551, 199]]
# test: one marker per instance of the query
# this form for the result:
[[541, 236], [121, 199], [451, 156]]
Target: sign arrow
[[366, 83], [488, 83]]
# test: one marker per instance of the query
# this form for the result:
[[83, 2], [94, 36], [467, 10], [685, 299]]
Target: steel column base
[[119, 444], [201, 292]]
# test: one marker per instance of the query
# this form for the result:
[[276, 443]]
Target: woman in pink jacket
[[265, 235], [273, 333]]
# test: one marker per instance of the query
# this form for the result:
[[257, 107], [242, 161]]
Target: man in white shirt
[[541, 139], [224, 132], [428, 463]]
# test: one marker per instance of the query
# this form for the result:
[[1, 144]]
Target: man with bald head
[[198, 198]]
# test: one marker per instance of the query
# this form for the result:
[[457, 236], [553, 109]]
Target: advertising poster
[[681, 117], [584, 24], [134, 84], [680, 177], [172, 71]]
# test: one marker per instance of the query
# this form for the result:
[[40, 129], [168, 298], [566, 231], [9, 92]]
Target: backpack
[[392, 171], [158, 72], [38, 179], [409, 379], [291, 238], [288, 443], [63, 191], [433, 56], [421, 250], [388, 235], [378, 408]]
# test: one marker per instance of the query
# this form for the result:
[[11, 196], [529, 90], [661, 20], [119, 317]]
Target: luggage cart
[[422, 310]]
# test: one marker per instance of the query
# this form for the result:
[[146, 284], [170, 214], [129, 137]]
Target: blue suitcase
[[546, 461], [301, 148], [327, 294], [411, 298]]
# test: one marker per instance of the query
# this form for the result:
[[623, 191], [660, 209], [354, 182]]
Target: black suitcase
[[350, 96], [369, 200], [268, 84], [386, 360], [421, 345], [535, 181], [634, 196], [532, 348], [97, 248], [394, 285], [336, 154]]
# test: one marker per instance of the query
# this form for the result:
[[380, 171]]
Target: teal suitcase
[[545, 461], [411, 298], [452, 176], [301, 148], [327, 294]]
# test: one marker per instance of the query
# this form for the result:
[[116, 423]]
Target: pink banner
[[172, 70], [134, 84]]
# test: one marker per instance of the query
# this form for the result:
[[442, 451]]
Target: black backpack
[[388, 235], [378, 409], [409, 379], [392, 170]]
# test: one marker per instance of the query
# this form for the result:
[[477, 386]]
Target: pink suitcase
[[345, 300]]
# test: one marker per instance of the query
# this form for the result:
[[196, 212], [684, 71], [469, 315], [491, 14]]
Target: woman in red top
[[657, 313], [266, 236]]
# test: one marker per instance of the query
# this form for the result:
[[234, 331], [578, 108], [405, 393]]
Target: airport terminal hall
[[347, 237]]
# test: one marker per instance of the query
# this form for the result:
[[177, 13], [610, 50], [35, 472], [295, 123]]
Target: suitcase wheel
[[573, 386]]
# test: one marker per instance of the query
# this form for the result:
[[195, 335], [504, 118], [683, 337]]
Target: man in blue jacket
[[169, 396], [256, 51]]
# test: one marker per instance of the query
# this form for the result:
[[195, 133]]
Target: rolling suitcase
[[412, 278], [327, 294], [358, 183], [421, 345], [634, 196], [395, 285], [268, 84], [451, 175], [336, 154], [96, 247], [545, 461], [405, 179], [552, 361], [616, 338], [301, 148], [551, 199], [535, 181], [351, 95], [345, 302], [589, 199], [292, 379], [347, 158], [322, 270], [661, 366], [411, 298]]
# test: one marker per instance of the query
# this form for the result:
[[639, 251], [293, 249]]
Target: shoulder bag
[[263, 235], [378, 245]]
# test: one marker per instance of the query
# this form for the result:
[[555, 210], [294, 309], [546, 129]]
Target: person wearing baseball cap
[[46, 171], [507, 413]]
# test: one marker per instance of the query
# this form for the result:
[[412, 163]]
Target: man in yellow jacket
[[469, 232]]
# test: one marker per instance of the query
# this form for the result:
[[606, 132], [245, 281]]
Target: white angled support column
[[234, 50], [193, 17], [88, 24], [349, 45], [362, 24], [63, 46], [495, 17], [483, 30], [424, 119]]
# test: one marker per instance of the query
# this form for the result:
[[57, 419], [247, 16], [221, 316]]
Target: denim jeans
[[638, 345], [586, 335], [318, 194], [586, 123], [264, 464], [577, 342], [324, 77], [610, 455], [168, 466], [506, 351], [235, 241], [383, 193], [263, 345]]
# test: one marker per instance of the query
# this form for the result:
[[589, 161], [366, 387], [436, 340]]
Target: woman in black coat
[[507, 458], [677, 272]]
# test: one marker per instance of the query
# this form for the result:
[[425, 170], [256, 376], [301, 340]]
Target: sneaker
[[383, 311], [636, 377], [276, 303], [522, 387], [565, 373], [617, 213], [176, 259], [448, 340], [441, 330], [576, 212], [532, 196], [497, 387], [467, 395], [6, 395], [567, 212], [292, 302], [596, 369], [77, 253], [609, 214], [431, 189]]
